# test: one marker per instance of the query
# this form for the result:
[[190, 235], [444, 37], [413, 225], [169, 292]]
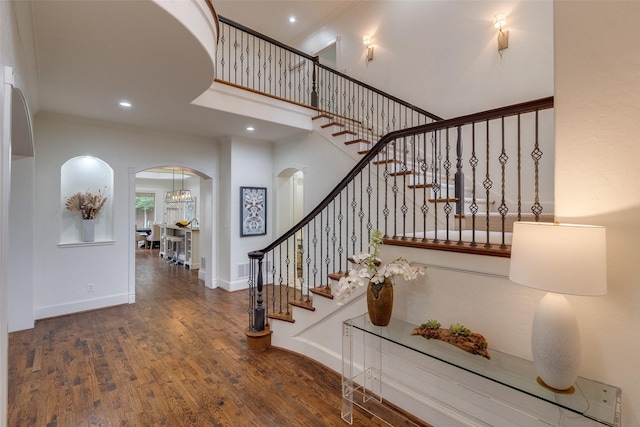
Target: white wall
[[61, 274], [14, 54], [21, 213], [597, 77], [597, 147], [303, 152], [442, 56], [247, 163]]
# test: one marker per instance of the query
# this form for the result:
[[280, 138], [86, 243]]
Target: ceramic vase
[[380, 302], [88, 230]]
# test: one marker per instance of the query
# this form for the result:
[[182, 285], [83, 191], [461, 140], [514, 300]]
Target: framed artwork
[[253, 211]]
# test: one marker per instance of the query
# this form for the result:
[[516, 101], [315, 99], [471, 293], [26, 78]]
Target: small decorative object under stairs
[[456, 335], [368, 269], [89, 205]]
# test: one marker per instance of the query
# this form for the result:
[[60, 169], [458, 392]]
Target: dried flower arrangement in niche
[[88, 204]]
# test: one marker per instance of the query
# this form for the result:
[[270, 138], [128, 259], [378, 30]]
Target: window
[[145, 209]]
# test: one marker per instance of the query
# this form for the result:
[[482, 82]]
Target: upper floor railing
[[253, 61]]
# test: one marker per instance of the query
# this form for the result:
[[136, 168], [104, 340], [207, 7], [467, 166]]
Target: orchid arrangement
[[368, 268], [88, 204]]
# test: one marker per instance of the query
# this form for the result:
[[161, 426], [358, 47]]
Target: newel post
[[258, 311], [258, 335]]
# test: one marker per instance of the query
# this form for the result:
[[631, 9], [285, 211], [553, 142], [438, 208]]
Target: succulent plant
[[432, 324], [458, 329]]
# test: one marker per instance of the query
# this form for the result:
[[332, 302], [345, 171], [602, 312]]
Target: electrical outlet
[[91, 287]]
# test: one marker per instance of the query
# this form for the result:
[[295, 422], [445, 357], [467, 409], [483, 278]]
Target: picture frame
[[253, 211]]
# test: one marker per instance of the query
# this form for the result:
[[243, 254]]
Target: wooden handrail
[[521, 108], [216, 19]]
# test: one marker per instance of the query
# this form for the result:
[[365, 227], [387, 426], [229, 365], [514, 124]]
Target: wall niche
[[86, 176]]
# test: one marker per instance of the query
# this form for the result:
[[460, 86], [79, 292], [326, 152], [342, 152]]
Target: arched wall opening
[[290, 210], [159, 179]]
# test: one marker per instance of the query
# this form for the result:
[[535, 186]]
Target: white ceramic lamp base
[[555, 342]]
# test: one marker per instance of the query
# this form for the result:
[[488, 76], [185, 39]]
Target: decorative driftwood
[[474, 343]]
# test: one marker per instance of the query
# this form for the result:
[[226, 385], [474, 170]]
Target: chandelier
[[178, 196]]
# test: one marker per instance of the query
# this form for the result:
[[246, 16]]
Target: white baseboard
[[237, 285], [79, 306]]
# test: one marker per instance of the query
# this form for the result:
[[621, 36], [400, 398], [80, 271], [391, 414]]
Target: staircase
[[405, 186], [452, 185]]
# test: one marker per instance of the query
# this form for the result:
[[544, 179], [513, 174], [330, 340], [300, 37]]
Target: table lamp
[[561, 259]]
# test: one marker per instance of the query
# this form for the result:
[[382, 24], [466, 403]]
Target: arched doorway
[[149, 188], [291, 211]]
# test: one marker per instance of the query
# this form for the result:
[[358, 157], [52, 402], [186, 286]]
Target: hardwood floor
[[177, 357]]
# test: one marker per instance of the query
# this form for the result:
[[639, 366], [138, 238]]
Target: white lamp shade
[[564, 258]]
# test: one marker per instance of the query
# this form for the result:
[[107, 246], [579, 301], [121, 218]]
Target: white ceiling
[[92, 54]]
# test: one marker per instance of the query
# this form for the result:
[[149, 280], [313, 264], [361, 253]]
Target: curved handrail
[[216, 19], [507, 111]]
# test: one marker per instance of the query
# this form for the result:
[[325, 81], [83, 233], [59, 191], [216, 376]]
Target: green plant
[[458, 329], [432, 324]]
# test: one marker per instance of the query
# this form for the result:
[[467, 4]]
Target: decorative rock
[[474, 343]]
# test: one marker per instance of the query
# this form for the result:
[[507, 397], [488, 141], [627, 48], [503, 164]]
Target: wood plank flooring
[[177, 357]]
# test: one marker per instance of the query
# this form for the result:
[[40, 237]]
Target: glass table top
[[592, 399]]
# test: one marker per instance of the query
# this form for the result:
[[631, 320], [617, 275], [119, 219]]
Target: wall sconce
[[366, 40], [499, 21]]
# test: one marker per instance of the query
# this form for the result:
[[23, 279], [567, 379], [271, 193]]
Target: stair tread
[[443, 199], [389, 160], [344, 132], [401, 173], [336, 276], [327, 125], [322, 116], [324, 291], [357, 141], [307, 305], [284, 317]]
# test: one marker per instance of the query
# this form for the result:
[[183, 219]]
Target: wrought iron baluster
[[488, 184], [536, 155], [519, 170], [354, 206], [435, 187], [307, 261], [287, 265], [405, 172], [459, 183], [448, 209], [385, 211], [473, 161], [252, 293], [341, 249], [503, 209], [424, 169], [315, 254]]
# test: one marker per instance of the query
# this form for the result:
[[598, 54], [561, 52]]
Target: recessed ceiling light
[[292, 19], [125, 104], [250, 128]]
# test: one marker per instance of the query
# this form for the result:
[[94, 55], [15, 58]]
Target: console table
[[378, 362]]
